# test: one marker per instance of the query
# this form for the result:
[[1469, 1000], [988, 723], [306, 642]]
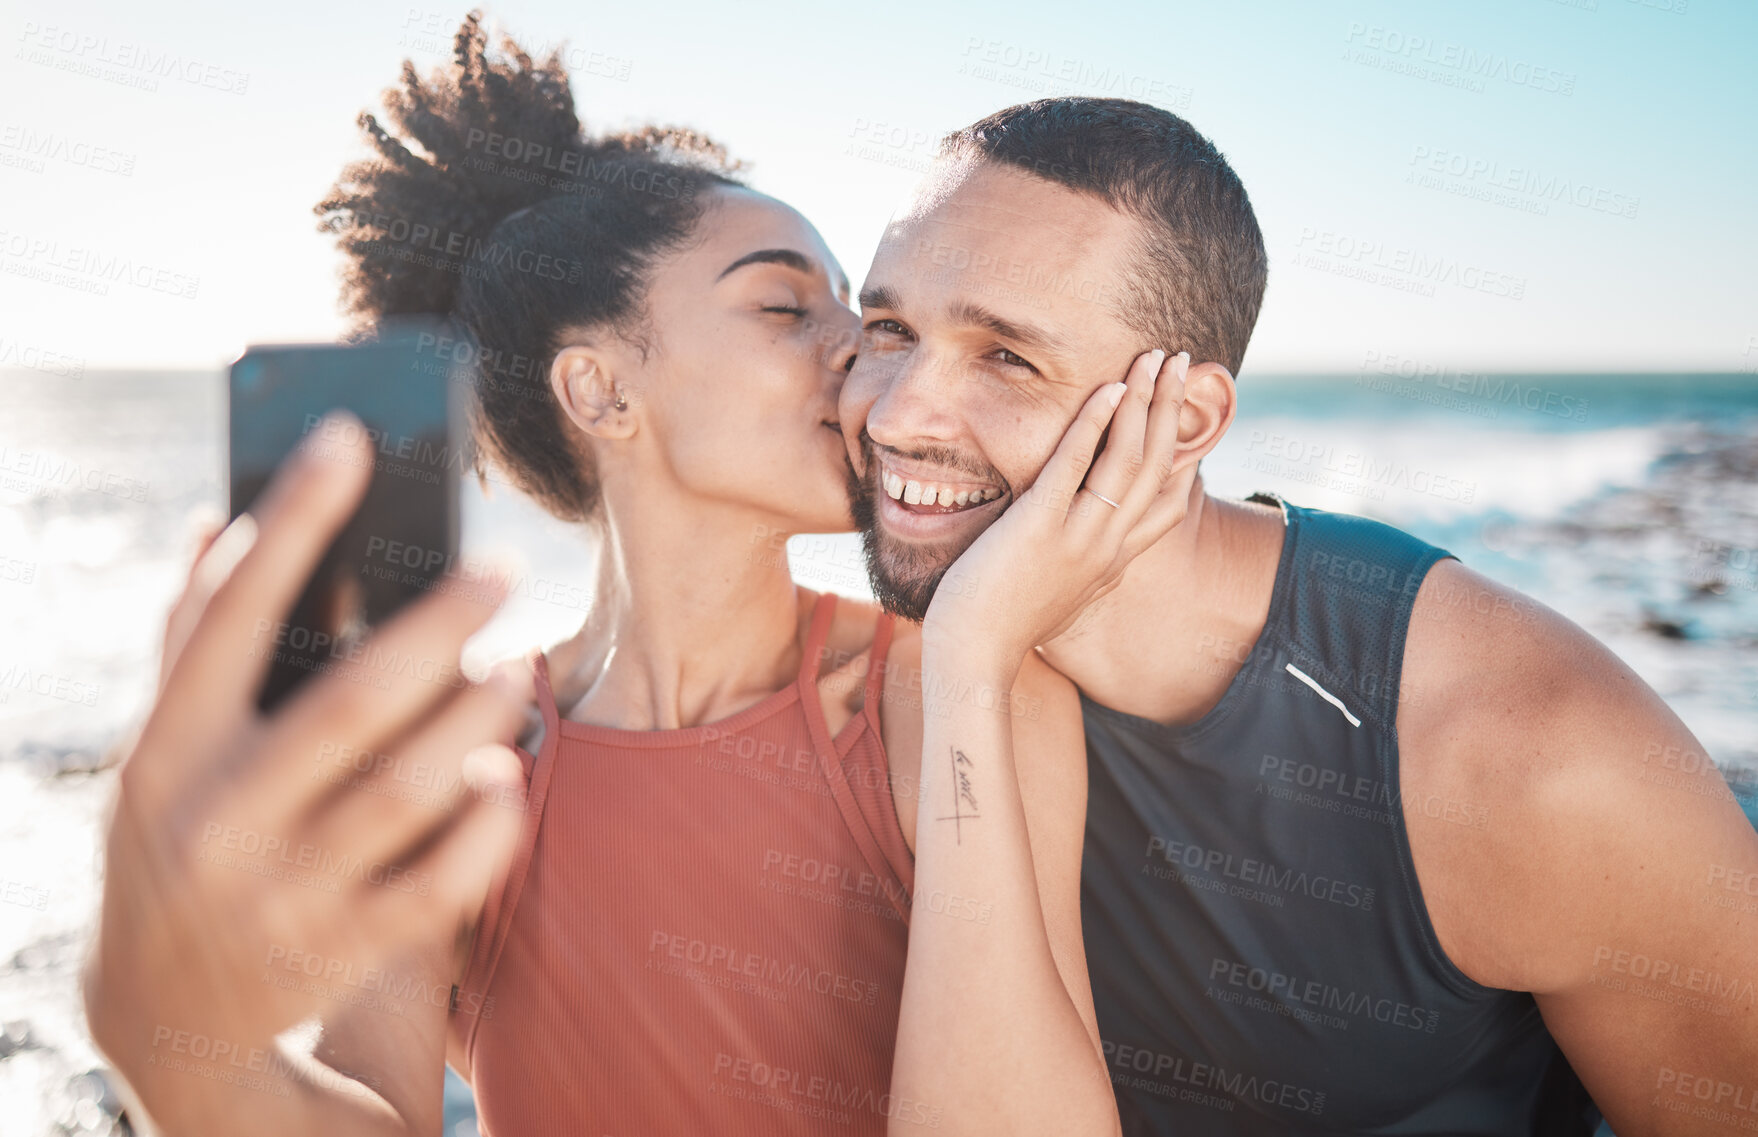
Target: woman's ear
[[586, 387], [1210, 401]]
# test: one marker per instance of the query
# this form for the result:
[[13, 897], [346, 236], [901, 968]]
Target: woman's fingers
[[186, 609], [1160, 446], [382, 804], [1061, 476], [1113, 473], [453, 871], [401, 673], [254, 572]]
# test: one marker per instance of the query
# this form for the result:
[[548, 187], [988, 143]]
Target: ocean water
[[1629, 503]]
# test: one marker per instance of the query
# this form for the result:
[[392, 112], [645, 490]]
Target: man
[[1374, 843]]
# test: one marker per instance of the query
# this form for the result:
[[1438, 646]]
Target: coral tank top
[[703, 929]]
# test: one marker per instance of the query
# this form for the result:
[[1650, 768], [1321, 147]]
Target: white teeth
[[918, 493]]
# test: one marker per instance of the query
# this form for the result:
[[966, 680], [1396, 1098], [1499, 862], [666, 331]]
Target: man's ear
[[586, 387], [1210, 401]]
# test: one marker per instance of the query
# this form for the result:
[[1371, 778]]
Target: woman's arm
[[234, 863], [997, 1032]]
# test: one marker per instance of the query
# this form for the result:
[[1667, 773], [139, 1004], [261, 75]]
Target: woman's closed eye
[[786, 309]]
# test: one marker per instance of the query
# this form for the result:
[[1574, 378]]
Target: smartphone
[[407, 385]]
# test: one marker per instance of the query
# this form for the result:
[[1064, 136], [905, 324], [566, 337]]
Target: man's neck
[[1168, 640]]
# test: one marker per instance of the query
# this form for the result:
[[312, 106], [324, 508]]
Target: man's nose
[[912, 405]]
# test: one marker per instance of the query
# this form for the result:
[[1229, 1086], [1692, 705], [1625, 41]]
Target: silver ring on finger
[[1101, 497]]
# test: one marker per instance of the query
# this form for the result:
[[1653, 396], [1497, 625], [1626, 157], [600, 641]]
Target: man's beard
[[903, 579]]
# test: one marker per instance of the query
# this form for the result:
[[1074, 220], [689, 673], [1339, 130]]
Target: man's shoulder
[[1480, 654], [1516, 719]]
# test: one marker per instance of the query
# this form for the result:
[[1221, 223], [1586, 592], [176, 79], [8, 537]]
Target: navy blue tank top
[[1261, 957]]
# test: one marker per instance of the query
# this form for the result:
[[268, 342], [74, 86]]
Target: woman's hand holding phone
[[257, 866]]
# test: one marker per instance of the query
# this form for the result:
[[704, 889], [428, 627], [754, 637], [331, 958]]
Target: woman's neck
[[694, 618]]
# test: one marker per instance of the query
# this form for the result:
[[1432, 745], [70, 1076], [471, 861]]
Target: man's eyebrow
[[878, 296], [787, 257], [1026, 335]]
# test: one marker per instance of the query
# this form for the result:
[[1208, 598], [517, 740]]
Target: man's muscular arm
[[1610, 871]]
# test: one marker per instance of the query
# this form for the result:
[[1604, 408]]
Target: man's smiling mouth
[[919, 492]]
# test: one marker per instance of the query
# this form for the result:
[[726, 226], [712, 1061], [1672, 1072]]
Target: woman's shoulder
[[855, 626]]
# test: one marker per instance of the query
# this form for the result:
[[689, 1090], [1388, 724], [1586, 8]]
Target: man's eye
[[801, 312], [1011, 359], [891, 327]]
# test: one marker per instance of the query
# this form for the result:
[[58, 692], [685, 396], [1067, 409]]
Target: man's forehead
[[1035, 254], [1010, 204]]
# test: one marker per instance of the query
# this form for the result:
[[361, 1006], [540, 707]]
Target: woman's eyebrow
[[787, 257]]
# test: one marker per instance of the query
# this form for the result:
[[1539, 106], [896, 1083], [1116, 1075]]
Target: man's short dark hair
[[1197, 280]]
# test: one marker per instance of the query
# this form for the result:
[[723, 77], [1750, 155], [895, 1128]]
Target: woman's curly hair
[[489, 203]]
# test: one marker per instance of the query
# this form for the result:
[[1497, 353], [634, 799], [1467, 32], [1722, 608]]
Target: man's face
[[989, 316]]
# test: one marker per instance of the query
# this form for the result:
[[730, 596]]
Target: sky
[[1545, 185]]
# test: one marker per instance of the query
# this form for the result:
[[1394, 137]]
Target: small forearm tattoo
[[964, 795]]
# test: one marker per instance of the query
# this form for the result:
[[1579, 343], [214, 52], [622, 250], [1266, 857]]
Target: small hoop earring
[[621, 404]]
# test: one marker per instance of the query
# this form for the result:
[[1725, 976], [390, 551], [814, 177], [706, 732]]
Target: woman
[[696, 917]]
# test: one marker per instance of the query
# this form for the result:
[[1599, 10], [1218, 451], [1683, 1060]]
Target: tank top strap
[[546, 705], [494, 921], [875, 687], [823, 611], [1345, 588]]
